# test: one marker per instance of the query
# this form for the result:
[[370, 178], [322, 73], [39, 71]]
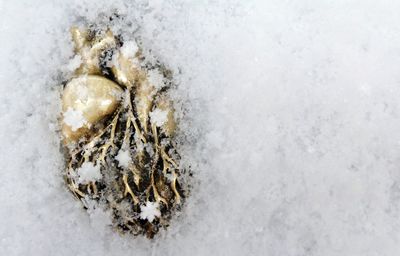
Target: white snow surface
[[291, 126]]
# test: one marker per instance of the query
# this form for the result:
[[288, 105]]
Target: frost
[[74, 63], [88, 172], [139, 144], [156, 79], [158, 117], [150, 211], [124, 158], [260, 83], [74, 119], [149, 149], [115, 93], [82, 90], [99, 218], [129, 49]]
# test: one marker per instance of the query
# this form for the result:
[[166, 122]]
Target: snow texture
[[289, 118], [88, 172], [124, 158], [129, 49], [74, 118], [158, 117], [156, 79], [74, 63]]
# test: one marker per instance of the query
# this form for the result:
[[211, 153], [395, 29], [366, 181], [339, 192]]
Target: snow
[[82, 90], [150, 211], [156, 79], [74, 63], [158, 117], [289, 118], [99, 218], [74, 118], [124, 158], [88, 172], [149, 148], [129, 49]]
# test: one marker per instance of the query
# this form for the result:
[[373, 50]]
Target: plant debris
[[118, 129]]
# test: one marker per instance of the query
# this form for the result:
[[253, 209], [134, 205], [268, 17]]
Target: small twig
[[133, 118], [157, 196], [110, 141], [128, 190]]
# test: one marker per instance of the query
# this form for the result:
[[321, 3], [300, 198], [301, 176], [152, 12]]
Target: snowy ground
[[291, 118]]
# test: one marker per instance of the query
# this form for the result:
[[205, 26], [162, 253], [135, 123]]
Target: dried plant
[[118, 130]]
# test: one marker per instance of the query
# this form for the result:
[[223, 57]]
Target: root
[[152, 175], [128, 190], [157, 195], [110, 141]]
